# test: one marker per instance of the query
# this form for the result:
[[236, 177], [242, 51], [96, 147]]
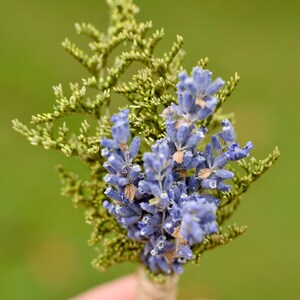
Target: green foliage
[[151, 89], [217, 239]]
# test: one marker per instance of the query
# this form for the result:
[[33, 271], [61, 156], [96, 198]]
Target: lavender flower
[[195, 96], [169, 208], [123, 174], [234, 151], [158, 171], [198, 220], [196, 102]]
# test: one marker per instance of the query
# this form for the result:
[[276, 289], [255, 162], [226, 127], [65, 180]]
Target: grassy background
[[43, 251]]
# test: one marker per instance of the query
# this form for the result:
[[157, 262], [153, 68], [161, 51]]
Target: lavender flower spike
[[124, 175], [196, 94], [196, 102], [158, 170], [170, 207]]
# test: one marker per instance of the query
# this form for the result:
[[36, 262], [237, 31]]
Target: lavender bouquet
[[162, 178]]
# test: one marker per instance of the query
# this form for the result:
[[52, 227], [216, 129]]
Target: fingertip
[[124, 288]]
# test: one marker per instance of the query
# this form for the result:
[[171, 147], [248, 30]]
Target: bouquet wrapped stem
[[148, 289]]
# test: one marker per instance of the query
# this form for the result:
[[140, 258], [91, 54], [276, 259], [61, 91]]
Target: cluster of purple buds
[[170, 206]]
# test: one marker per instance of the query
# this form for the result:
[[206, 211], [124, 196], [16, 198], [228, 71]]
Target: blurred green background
[[43, 251]]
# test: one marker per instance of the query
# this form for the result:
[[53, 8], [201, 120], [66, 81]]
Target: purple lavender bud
[[145, 186], [111, 179], [123, 211], [113, 194], [249, 146], [215, 86], [183, 198], [198, 160], [182, 76], [191, 231], [108, 167], [236, 153], [171, 130], [202, 78], [169, 227], [139, 194], [163, 246], [190, 86], [129, 220], [164, 200], [105, 152], [175, 214], [171, 205], [108, 143], [115, 163], [224, 174], [176, 109], [149, 229], [211, 103], [195, 95], [187, 158], [209, 184], [194, 184], [216, 144], [123, 181], [134, 233], [195, 139], [122, 116], [228, 134], [151, 175], [187, 103], [164, 148], [134, 206], [220, 161], [209, 155], [134, 171], [134, 147], [149, 160], [110, 207], [152, 264], [120, 130], [149, 208], [183, 134], [167, 182], [155, 190], [185, 252]]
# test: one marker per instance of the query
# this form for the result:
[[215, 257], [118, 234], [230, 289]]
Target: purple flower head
[[198, 219], [210, 172], [120, 130], [196, 95], [158, 167], [168, 205], [196, 102], [228, 134], [126, 214], [149, 224], [236, 153], [183, 141], [124, 175]]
